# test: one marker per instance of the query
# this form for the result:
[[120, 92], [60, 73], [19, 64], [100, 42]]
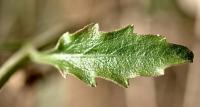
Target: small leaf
[[115, 56]]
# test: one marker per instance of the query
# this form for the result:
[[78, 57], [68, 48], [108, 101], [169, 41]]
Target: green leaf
[[115, 56]]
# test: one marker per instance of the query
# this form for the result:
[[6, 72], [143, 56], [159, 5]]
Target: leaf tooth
[[124, 32], [64, 40], [86, 78], [85, 28], [160, 71], [125, 83], [127, 30], [64, 75], [94, 30], [92, 84], [93, 27], [117, 79]]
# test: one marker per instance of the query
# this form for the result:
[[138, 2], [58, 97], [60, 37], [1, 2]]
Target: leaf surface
[[115, 56]]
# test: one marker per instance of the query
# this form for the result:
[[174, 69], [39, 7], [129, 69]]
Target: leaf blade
[[116, 56]]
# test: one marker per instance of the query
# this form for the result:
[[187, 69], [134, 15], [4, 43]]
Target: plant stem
[[10, 66]]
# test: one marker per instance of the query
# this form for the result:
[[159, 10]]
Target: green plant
[[116, 56]]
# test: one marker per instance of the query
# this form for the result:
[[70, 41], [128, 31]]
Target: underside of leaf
[[116, 56]]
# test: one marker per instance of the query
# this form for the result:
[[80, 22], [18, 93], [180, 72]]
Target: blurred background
[[35, 85]]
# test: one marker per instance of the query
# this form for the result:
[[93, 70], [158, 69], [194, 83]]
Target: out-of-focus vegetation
[[40, 85]]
